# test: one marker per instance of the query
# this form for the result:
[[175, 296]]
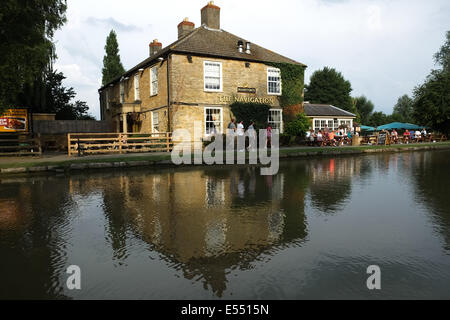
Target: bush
[[299, 126]]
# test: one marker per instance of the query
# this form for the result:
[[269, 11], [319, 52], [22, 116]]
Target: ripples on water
[[309, 232]]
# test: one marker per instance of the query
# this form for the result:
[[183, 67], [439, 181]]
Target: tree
[[26, 48], [364, 107], [50, 96], [112, 66], [442, 57], [299, 126], [403, 109], [431, 106], [328, 86], [378, 119]]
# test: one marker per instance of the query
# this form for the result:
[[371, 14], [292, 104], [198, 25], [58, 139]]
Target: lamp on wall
[[189, 58]]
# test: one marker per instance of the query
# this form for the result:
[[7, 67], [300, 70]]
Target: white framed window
[[213, 120], [212, 76], [122, 92], [273, 81], [154, 81], [136, 87], [276, 119], [155, 122], [107, 98]]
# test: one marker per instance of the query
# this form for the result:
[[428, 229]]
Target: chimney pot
[[211, 16], [185, 27], [155, 47], [247, 48]]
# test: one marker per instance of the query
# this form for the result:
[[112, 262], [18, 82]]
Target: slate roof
[[320, 110], [208, 42]]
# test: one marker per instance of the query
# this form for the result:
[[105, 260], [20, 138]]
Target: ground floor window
[[155, 122], [213, 120], [276, 119], [332, 124]]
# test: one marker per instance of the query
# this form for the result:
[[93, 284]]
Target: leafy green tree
[[50, 96], [112, 66], [403, 109], [432, 102], [442, 57], [26, 48], [328, 86], [364, 107], [431, 105], [299, 126], [378, 119]]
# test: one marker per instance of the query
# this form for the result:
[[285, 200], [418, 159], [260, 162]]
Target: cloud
[[112, 23], [384, 48], [374, 18]]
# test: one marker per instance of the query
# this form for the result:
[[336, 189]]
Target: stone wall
[[187, 95]]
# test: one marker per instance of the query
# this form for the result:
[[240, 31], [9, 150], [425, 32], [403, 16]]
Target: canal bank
[[62, 163]]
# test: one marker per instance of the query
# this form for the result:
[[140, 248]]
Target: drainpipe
[[168, 95]]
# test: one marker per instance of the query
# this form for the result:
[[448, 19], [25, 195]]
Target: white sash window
[[212, 76], [154, 81], [136, 87], [273, 81]]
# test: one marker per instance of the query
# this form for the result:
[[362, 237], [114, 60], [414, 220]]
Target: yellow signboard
[[14, 120]]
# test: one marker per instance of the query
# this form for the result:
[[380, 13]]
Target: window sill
[[213, 91], [274, 94]]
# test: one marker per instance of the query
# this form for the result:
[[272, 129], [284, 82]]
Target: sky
[[383, 47]]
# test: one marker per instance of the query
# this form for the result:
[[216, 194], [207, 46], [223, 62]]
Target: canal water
[[229, 233]]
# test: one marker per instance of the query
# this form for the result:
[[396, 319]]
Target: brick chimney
[[155, 47], [211, 16], [185, 27]]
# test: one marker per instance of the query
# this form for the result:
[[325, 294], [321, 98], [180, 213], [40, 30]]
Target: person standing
[[252, 145], [240, 134], [232, 125], [269, 136]]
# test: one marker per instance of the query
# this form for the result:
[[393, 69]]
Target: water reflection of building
[[205, 222]]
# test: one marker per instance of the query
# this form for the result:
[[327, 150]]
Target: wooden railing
[[20, 145], [104, 143]]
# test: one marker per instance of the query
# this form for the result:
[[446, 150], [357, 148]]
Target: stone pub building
[[196, 78]]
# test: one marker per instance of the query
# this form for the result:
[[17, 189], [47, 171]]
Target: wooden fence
[[104, 143], [20, 145]]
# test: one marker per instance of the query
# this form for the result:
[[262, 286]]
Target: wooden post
[[68, 145], [168, 142], [120, 143], [39, 144]]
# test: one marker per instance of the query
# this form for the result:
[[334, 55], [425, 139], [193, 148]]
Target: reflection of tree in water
[[32, 231], [207, 223], [431, 175], [331, 183]]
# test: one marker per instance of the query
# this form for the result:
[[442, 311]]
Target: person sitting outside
[[319, 138], [331, 138], [349, 137], [411, 136], [406, 135], [424, 134], [394, 136], [418, 136]]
